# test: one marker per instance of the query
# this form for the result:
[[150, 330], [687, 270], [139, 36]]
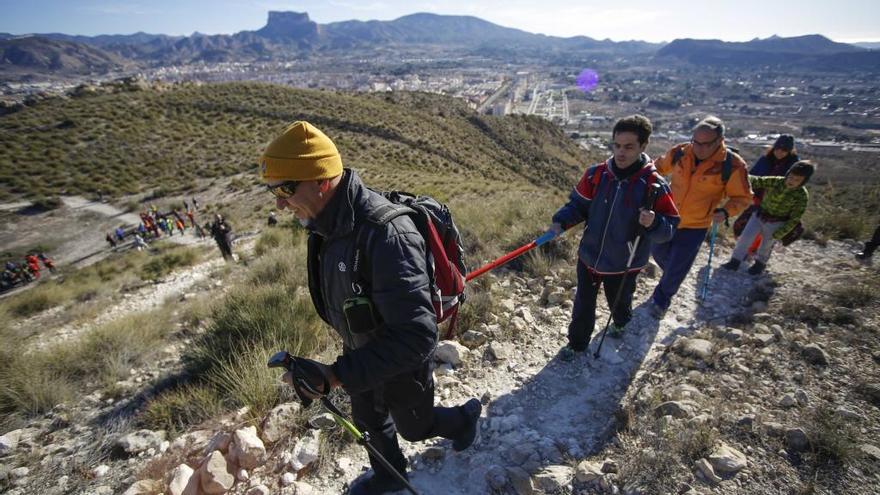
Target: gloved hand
[[310, 379], [721, 215]]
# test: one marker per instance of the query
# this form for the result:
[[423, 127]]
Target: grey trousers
[[753, 228]]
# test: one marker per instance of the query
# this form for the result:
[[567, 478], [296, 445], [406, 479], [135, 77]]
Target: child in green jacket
[[784, 203]]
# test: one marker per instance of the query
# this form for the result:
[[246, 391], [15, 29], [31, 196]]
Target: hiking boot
[[732, 265], [615, 331], [863, 256], [376, 485], [471, 410], [656, 311], [757, 268], [569, 352]]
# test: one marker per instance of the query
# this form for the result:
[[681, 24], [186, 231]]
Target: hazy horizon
[[848, 21]]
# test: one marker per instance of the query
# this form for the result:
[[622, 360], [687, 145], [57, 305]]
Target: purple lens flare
[[587, 80]]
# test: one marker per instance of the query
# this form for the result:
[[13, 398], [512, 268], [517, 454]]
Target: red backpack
[[445, 254]]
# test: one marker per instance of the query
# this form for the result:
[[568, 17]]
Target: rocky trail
[[541, 411], [542, 417]]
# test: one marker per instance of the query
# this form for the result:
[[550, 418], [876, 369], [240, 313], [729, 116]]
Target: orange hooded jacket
[[698, 190]]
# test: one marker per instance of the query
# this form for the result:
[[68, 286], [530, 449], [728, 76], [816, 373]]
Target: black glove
[[308, 379]]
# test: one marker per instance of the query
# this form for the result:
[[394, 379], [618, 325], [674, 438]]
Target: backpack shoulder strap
[[597, 174], [387, 212], [727, 167], [598, 171]]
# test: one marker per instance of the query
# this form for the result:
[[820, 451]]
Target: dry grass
[[262, 314], [33, 382], [177, 409]]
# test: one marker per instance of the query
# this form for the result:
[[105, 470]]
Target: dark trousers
[[583, 314], [675, 258], [225, 248], [405, 404], [871, 245]]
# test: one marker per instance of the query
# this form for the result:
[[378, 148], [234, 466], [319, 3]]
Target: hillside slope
[[128, 142], [37, 54], [736, 374]]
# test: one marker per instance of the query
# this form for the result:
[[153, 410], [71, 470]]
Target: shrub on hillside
[[833, 438], [481, 302], [253, 317], [176, 409], [47, 203], [37, 299], [168, 261]]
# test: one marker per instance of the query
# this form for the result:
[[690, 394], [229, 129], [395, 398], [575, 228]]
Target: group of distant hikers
[[375, 274], [20, 273], [154, 224]]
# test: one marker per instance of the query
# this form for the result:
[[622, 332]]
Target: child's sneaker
[[732, 265], [757, 268]]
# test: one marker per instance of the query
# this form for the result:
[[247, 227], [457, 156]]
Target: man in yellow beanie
[[369, 280]]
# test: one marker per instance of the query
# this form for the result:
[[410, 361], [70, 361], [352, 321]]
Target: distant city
[[779, 85]]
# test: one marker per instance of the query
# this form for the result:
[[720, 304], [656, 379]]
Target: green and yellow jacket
[[780, 202]]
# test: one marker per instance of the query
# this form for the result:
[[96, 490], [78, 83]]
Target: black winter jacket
[[396, 272]]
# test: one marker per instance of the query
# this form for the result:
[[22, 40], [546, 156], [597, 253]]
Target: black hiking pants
[[405, 404], [871, 245], [583, 314], [225, 248]]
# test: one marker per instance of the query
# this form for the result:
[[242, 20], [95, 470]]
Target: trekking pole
[[653, 193], [545, 238], [704, 290], [283, 359]]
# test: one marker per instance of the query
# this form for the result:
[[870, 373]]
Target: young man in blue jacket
[[611, 199]]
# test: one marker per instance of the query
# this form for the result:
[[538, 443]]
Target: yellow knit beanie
[[301, 152]]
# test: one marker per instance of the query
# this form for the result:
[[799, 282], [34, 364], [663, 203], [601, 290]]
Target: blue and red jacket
[[610, 207]]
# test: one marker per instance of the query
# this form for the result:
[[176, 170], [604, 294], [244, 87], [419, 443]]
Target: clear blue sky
[[655, 20]]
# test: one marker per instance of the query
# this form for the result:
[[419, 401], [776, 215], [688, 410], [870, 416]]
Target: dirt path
[[144, 299], [72, 234]]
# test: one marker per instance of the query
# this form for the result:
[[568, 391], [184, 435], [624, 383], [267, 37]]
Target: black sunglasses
[[283, 190]]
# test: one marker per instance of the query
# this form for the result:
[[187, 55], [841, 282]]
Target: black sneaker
[[757, 268], [863, 256], [471, 410], [375, 485], [656, 311], [569, 352], [615, 331], [732, 265]]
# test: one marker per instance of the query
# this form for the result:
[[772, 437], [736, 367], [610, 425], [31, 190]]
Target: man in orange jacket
[[703, 173]]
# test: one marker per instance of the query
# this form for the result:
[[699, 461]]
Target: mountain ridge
[[287, 35], [812, 50]]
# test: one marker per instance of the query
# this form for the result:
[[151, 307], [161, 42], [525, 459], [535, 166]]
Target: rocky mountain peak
[[289, 25]]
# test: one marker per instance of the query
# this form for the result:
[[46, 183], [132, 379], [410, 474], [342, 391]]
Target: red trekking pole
[[547, 237]]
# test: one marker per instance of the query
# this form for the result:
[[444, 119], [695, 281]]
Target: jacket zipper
[[348, 339], [607, 222]]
